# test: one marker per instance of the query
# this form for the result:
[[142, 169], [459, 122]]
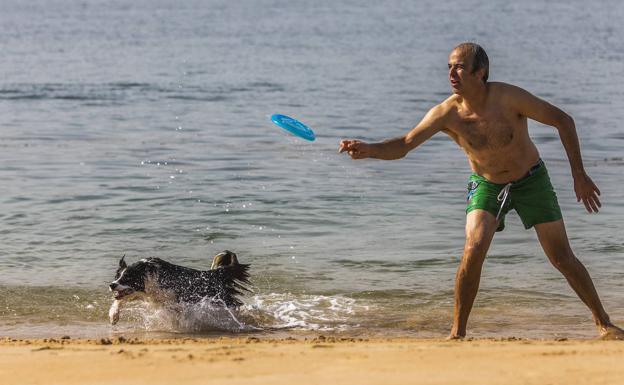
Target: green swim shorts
[[533, 197]]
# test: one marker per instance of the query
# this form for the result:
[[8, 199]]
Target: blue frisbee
[[293, 126]]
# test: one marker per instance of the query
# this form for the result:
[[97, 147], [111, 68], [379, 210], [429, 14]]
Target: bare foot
[[611, 332], [453, 337]]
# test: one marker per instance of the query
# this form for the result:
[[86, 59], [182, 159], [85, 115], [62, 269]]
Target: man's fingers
[[587, 191], [592, 202], [597, 200], [593, 205], [346, 145], [356, 154], [595, 188]]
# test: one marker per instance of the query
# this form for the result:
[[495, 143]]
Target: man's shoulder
[[448, 105], [444, 110], [505, 89]]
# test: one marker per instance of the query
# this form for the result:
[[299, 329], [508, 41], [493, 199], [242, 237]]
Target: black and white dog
[[164, 283]]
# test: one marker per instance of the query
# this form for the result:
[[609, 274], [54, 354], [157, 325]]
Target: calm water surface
[[141, 128]]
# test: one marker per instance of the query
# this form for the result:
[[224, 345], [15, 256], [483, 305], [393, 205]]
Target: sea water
[[141, 128]]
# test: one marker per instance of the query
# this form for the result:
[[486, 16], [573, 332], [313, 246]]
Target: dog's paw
[[113, 312]]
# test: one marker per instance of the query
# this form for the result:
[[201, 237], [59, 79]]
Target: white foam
[[267, 311], [204, 316], [306, 312]]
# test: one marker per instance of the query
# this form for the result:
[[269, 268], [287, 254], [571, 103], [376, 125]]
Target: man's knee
[[564, 260], [474, 254], [474, 251], [480, 227], [476, 246]]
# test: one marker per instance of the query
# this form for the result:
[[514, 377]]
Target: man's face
[[460, 68]]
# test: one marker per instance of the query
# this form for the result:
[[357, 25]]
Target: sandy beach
[[310, 361]]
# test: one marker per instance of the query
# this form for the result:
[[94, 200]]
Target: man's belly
[[503, 167]]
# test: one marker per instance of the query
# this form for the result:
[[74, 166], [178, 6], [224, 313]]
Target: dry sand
[[322, 360]]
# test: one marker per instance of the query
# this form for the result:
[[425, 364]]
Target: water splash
[[305, 312], [262, 312], [208, 315]]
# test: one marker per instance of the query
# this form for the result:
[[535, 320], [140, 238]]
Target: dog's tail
[[224, 258], [234, 280]]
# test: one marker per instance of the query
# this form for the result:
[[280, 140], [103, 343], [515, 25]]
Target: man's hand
[[355, 148], [587, 191]]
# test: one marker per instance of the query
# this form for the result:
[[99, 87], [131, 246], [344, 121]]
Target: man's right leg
[[480, 228]]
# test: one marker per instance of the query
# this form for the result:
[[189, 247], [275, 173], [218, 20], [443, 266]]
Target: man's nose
[[113, 286]]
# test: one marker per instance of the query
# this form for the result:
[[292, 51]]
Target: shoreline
[[338, 360]]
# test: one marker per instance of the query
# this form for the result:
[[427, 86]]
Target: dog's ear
[[122, 263]]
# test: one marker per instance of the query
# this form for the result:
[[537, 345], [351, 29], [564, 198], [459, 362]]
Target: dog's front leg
[[113, 312]]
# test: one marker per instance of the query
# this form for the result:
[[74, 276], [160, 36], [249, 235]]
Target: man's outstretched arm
[[537, 109], [397, 148]]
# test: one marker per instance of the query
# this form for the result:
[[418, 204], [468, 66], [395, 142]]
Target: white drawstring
[[502, 198]]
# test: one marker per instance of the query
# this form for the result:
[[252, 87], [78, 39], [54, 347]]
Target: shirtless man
[[488, 120]]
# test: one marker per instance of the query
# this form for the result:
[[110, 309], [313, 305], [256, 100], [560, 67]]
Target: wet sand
[[310, 361]]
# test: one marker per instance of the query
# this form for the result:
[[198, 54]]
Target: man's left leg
[[554, 241]]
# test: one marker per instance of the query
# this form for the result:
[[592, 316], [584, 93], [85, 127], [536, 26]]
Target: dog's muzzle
[[120, 291]]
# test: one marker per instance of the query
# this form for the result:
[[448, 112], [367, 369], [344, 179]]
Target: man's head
[[468, 66]]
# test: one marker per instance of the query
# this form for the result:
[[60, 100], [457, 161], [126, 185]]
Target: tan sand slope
[[318, 361]]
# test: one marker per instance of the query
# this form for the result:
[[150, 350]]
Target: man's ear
[[480, 73], [122, 263]]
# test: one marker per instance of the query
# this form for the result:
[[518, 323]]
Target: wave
[[125, 91]]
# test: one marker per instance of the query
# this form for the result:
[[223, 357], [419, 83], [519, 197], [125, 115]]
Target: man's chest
[[489, 131]]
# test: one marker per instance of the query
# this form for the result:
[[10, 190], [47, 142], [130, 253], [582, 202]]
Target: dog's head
[[131, 279]]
